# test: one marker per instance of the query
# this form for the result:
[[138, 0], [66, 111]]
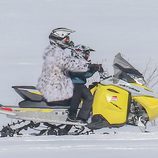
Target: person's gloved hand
[[101, 70], [94, 67], [71, 44]]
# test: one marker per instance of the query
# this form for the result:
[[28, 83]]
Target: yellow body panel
[[36, 92], [142, 86], [94, 89], [150, 104], [112, 103]]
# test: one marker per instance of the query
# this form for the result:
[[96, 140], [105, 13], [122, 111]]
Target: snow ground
[[109, 26], [122, 144]]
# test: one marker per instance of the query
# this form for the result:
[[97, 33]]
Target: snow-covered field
[[108, 26], [121, 144]]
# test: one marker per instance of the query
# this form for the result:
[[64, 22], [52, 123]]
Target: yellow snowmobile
[[123, 98], [120, 99]]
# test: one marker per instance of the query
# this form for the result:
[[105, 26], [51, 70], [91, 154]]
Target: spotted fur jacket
[[54, 82]]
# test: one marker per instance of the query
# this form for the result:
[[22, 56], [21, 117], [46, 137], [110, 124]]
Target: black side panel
[[42, 104], [59, 103], [99, 122], [31, 104], [25, 87]]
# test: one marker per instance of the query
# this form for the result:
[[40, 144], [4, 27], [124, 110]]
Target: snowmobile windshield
[[125, 71]]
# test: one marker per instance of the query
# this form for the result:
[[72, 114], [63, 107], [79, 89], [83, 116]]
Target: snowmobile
[[120, 99], [123, 98]]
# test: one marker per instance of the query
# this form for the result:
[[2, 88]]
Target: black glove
[[71, 44], [101, 70], [94, 67]]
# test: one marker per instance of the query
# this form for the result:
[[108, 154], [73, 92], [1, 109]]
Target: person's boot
[[81, 120], [71, 118]]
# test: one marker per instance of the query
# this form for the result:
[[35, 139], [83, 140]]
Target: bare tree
[[151, 74]]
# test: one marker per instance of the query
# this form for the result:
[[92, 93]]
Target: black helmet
[[60, 36], [83, 51]]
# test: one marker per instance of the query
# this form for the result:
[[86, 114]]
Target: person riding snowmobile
[[54, 82], [81, 92]]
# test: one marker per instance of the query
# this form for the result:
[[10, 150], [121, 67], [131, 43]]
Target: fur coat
[[54, 82]]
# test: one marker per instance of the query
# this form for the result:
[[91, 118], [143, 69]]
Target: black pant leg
[[75, 100], [85, 110]]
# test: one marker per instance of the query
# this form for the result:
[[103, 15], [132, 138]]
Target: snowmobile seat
[[28, 93], [33, 98]]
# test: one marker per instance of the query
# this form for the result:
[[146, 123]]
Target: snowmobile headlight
[[137, 79], [140, 81]]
